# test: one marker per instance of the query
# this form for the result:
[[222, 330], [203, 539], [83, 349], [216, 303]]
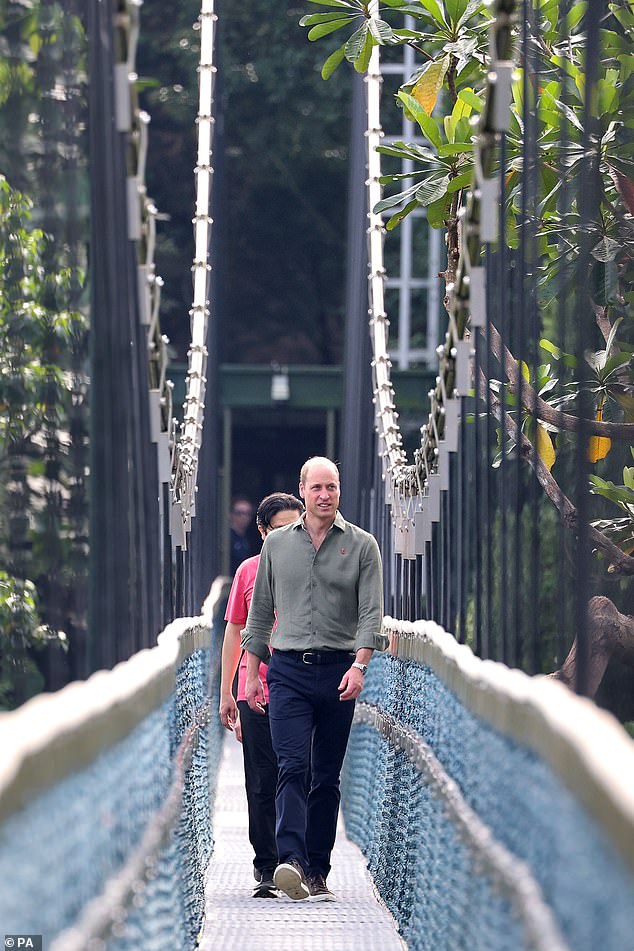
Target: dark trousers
[[310, 727], [260, 776]]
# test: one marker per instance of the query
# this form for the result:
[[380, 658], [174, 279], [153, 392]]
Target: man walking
[[260, 765], [321, 576]]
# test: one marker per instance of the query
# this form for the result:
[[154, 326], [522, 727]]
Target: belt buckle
[[305, 655]]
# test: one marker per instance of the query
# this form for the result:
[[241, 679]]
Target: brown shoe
[[318, 889], [289, 878]]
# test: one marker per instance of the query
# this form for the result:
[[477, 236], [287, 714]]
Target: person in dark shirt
[[241, 543]]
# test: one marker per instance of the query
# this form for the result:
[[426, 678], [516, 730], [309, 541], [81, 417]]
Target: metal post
[[225, 495], [357, 420]]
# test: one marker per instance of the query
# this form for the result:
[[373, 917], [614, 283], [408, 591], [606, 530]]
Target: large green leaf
[[408, 150], [568, 359], [380, 30], [428, 126], [396, 219], [473, 6], [460, 181], [569, 113], [460, 113], [312, 19], [323, 29], [432, 7], [620, 494], [362, 61], [355, 44], [438, 211], [333, 61], [615, 362], [455, 10], [395, 200], [471, 98], [575, 15], [432, 189], [455, 148]]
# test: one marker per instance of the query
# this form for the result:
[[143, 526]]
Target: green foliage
[[35, 332], [22, 635], [37, 335], [619, 530], [443, 172], [443, 96], [450, 36]]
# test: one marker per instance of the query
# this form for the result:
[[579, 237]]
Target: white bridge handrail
[[585, 746], [54, 735]]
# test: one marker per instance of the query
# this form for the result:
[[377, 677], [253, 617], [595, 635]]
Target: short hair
[[274, 503], [322, 460]]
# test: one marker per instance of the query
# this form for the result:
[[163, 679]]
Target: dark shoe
[[265, 887], [289, 878], [318, 889]]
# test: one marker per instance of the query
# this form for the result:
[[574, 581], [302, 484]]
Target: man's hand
[[228, 711], [351, 684], [254, 692]]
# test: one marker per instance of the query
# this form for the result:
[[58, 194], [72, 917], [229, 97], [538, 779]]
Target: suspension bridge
[[488, 790]]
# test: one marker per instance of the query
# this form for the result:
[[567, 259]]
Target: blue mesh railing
[[496, 811], [106, 798]]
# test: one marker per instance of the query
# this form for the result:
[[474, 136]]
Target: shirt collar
[[339, 521]]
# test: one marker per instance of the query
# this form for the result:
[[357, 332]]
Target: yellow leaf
[[545, 447], [599, 446], [526, 373], [426, 90]]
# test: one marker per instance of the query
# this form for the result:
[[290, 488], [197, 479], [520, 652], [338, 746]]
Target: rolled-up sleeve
[[370, 595], [257, 633]]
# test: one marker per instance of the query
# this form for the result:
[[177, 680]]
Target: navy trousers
[[310, 727], [260, 779]]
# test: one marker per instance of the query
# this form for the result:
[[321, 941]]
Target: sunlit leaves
[[429, 84], [416, 112]]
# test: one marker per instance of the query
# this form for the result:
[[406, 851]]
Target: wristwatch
[[360, 666]]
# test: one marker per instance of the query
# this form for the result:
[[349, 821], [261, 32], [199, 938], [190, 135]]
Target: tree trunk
[[611, 646]]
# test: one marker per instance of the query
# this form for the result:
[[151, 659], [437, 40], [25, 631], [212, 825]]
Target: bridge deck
[[357, 921]]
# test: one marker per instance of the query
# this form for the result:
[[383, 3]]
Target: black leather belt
[[319, 657]]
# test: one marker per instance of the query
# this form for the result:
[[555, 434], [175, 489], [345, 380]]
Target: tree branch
[[619, 561], [540, 408]]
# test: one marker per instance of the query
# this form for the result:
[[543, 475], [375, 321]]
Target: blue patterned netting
[[59, 852], [434, 885]]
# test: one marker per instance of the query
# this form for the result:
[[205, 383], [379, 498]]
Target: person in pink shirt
[[260, 765]]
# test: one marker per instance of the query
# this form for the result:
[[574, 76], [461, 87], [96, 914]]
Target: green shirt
[[330, 599]]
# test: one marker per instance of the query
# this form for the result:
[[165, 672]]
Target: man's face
[[241, 515], [320, 491]]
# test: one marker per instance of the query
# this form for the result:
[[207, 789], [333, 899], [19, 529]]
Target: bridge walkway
[[357, 921]]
